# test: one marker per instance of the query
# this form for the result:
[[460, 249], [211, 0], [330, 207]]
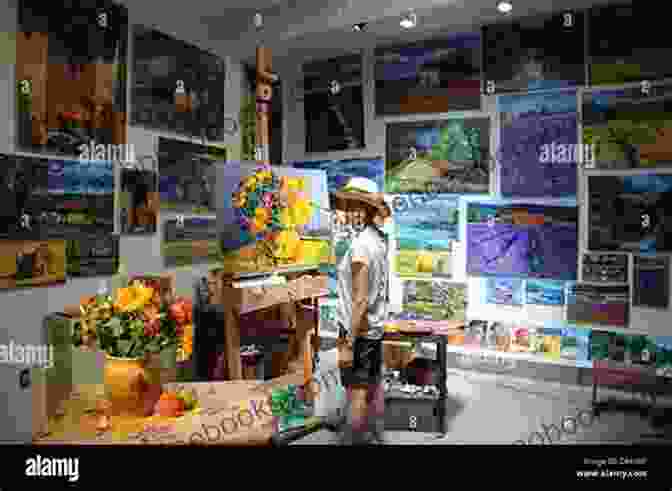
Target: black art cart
[[418, 410]]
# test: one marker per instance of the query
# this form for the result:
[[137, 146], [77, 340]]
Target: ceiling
[[298, 30]]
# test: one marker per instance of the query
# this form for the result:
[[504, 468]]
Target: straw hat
[[365, 191]]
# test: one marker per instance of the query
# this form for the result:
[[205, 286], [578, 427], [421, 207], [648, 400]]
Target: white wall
[[22, 311]]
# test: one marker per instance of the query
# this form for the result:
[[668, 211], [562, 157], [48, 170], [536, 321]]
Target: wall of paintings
[[545, 197]]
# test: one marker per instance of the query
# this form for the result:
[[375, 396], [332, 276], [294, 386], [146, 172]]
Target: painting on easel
[[272, 217]]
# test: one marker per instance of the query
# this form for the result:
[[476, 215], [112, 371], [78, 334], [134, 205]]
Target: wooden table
[[236, 301], [231, 413]]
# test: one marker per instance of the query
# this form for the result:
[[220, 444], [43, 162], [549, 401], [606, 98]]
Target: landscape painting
[[191, 240], [504, 291], [434, 301], [538, 142], [187, 176], [443, 156], [629, 128], [426, 227], [339, 172], [29, 264], [544, 292], [431, 76]]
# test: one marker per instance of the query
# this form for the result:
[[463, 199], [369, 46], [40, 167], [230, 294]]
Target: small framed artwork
[[504, 291], [327, 326], [139, 199], [652, 282]]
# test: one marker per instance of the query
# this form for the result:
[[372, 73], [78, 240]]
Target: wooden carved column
[[265, 79]]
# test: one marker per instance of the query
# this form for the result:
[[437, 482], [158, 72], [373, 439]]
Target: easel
[[285, 298]]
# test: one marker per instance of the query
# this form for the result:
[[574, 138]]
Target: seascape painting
[[538, 145], [504, 291], [544, 292], [442, 156], [426, 227]]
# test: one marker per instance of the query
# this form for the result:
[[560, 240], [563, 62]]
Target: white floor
[[497, 409]]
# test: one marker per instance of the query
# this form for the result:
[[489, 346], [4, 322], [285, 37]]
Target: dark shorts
[[367, 365]]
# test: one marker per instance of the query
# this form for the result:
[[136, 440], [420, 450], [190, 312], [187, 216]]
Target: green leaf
[[123, 345], [115, 327]]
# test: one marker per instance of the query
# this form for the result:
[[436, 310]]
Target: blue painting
[[339, 172], [504, 291], [522, 240], [80, 177], [539, 145], [426, 222], [544, 292]]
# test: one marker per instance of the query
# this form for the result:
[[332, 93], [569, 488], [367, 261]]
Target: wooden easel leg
[[234, 366]]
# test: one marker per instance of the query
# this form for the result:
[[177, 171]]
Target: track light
[[359, 27], [409, 21], [505, 7]]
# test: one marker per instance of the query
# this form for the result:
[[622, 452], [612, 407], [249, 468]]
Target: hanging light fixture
[[505, 7], [409, 21]]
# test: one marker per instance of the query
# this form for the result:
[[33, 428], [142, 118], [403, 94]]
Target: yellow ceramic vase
[[128, 382]]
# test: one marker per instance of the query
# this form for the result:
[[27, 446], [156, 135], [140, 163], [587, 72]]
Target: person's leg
[[376, 411]]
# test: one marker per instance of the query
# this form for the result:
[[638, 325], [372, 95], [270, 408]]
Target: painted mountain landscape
[[450, 156]]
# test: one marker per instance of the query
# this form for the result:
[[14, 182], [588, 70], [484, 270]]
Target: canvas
[[71, 78], [434, 76], [187, 176], [517, 240], [538, 144], [47, 198], [27, 263], [630, 213], [190, 240], [538, 52], [426, 229], [629, 128], [442, 156], [242, 251]]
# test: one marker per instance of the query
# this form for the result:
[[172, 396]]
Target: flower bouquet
[[269, 210], [135, 323], [131, 327]]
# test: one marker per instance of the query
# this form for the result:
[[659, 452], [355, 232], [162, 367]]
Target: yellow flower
[[261, 216], [186, 343], [133, 298], [302, 212], [286, 218], [288, 241]]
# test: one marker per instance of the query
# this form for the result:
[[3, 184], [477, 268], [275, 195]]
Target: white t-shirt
[[370, 245]]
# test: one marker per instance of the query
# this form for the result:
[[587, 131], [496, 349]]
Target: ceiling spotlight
[[505, 7], [409, 21], [258, 20], [359, 27]]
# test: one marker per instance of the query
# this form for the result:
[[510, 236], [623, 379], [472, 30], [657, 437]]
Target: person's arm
[[360, 296]]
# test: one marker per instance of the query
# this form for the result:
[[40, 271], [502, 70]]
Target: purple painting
[[538, 145], [527, 241]]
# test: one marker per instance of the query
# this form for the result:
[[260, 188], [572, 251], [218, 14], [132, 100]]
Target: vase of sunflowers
[[133, 328], [270, 210]]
